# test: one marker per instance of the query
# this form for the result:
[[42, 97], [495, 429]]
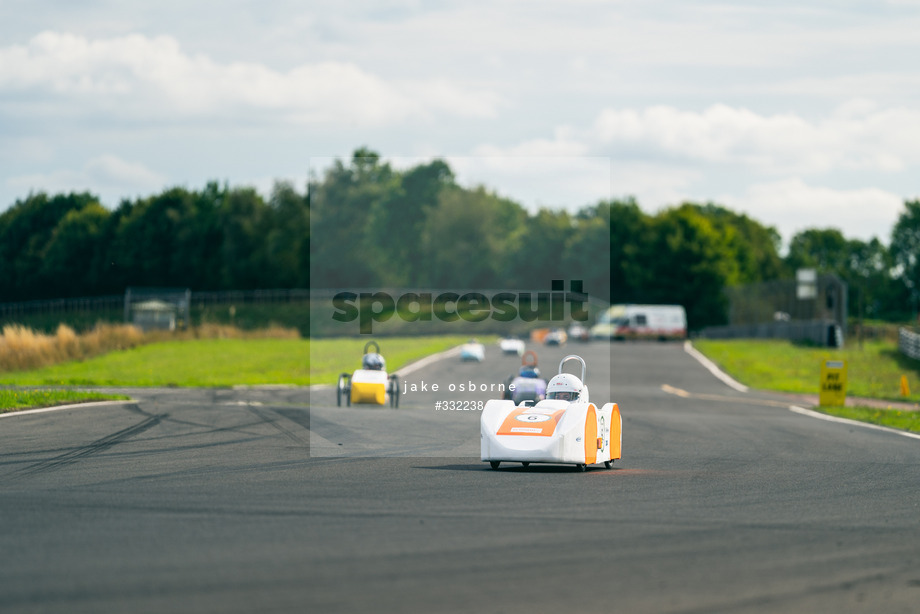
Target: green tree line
[[217, 238], [366, 224]]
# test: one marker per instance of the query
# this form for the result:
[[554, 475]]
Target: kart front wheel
[[581, 467], [343, 389], [394, 391], [494, 464]]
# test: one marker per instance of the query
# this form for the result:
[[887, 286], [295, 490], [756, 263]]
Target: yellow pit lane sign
[[833, 383]]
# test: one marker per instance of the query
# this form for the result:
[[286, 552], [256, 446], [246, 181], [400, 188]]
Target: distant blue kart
[[472, 350], [526, 385]]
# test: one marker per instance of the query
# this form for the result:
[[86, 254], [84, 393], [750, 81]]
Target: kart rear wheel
[[343, 389], [494, 464], [608, 464], [526, 464], [581, 467]]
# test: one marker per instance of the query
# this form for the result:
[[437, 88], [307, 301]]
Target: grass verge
[[227, 362], [18, 400], [22, 348], [874, 371]]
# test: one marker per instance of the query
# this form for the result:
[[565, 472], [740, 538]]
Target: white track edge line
[[42, 410], [820, 416], [712, 368], [424, 362]]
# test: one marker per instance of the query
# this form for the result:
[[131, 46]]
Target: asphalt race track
[[279, 501]]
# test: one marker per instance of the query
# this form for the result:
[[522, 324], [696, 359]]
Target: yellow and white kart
[[368, 385], [552, 431]]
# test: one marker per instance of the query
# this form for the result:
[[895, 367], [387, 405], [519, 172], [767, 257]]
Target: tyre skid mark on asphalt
[[245, 429], [184, 448], [272, 421], [248, 429], [84, 405], [296, 415], [212, 471], [376, 452], [331, 431], [788, 600], [100, 445]]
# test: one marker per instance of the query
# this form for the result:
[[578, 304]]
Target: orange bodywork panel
[[591, 435], [616, 426], [524, 421]]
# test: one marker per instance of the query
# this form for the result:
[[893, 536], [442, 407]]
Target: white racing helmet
[[564, 387], [373, 362]]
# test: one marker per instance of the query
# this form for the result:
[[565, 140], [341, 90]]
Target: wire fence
[[62, 305], [251, 296], [117, 301], [247, 309], [909, 343], [253, 309]]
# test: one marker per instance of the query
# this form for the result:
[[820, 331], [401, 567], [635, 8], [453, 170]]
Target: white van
[[641, 322]]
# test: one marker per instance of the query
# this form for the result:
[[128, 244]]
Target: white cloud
[[553, 179], [106, 175], [563, 143], [791, 205], [886, 84], [138, 77], [663, 156], [654, 186], [857, 136], [111, 170], [678, 101]]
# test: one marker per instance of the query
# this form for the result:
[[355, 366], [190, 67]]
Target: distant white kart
[[557, 336], [555, 430], [511, 345], [472, 350]]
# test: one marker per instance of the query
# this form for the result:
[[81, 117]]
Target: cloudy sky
[[800, 114]]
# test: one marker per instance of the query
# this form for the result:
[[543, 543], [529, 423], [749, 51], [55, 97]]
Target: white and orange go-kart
[[370, 383], [564, 428]]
